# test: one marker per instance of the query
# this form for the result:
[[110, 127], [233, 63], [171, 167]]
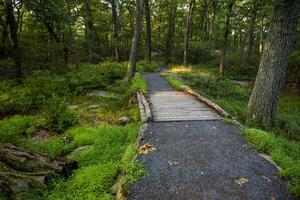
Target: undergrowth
[[93, 137]]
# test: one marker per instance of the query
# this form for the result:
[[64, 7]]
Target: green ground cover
[[46, 108]]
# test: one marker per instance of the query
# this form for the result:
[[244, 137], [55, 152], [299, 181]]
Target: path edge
[[145, 111]]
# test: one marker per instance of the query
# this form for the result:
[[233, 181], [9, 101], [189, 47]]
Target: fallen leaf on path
[[269, 180], [241, 181], [146, 148]]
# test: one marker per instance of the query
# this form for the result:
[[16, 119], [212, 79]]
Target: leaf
[[146, 148], [241, 181]]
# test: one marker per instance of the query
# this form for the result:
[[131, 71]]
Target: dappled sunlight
[[178, 69]]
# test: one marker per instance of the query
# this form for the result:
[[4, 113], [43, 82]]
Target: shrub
[[12, 128], [147, 66], [58, 116], [43, 84], [17, 100]]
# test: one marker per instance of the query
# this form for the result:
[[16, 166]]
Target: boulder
[[124, 120], [94, 106]]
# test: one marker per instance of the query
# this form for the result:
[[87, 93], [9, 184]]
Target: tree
[[171, 30], [115, 28], [14, 36], [187, 32], [135, 47], [250, 36], [226, 33], [148, 30], [262, 107]]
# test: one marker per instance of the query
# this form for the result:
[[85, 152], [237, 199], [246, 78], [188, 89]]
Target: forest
[[73, 73]]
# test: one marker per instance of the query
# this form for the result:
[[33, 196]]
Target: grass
[[284, 152], [100, 163], [282, 142], [109, 149]]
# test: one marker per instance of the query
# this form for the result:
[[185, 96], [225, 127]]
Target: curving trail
[[199, 158]]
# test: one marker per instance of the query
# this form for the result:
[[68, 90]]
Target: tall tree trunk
[[116, 29], [262, 107], [261, 35], [72, 40], [14, 36], [213, 19], [189, 19], [148, 30], [205, 20], [170, 34], [135, 47], [250, 35], [89, 28], [3, 39], [226, 33]]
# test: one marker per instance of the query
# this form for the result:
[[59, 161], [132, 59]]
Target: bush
[[94, 76], [43, 84], [147, 66], [12, 128], [58, 116], [17, 100]]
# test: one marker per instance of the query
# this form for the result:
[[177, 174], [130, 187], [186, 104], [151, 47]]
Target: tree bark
[[3, 39], [213, 19], [205, 20], [91, 35], [148, 30], [250, 35], [170, 34], [20, 170], [225, 39], [14, 36], [135, 47], [189, 19], [115, 29], [262, 107], [261, 35]]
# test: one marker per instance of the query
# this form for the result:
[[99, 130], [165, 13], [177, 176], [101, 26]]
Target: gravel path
[[202, 160]]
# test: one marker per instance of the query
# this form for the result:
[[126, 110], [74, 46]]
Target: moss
[[284, 152]]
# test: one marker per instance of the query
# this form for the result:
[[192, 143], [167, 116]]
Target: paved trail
[[202, 160]]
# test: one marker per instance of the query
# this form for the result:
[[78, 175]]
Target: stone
[[66, 140], [124, 120], [94, 106], [242, 83], [98, 93], [73, 107]]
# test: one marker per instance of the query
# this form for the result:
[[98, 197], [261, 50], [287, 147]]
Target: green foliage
[[39, 87], [100, 162], [58, 116], [95, 76], [14, 128], [174, 83], [138, 83], [147, 66], [285, 153]]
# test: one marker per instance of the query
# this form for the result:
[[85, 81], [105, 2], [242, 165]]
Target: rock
[[66, 140], [73, 107], [98, 93], [94, 106], [242, 83], [124, 120], [80, 149]]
